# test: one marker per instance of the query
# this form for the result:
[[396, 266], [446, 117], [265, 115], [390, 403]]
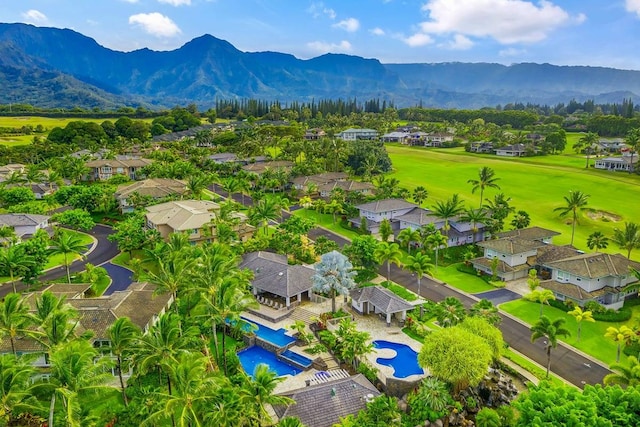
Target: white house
[[376, 211], [515, 150], [401, 137], [599, 277], [354, 134], [626, 163], [513, 255], [24, 225]]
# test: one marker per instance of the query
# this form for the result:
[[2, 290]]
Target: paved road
[[103, 252], [565, 362], [121, 278]]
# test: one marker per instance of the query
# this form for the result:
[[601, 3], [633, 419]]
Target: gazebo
[[379, 300]]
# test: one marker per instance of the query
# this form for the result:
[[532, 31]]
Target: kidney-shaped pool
[[404, 363]]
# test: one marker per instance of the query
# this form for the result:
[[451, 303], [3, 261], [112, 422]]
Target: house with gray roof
[[531, 233], [600, 277], [401, 137], [625, 163], [324, 404], [379, 300], [301, 182], [459, 233], [378, 210], [272, 274], [25, 225], [348, 186], [515, 150], [355, 134], [516, 256]]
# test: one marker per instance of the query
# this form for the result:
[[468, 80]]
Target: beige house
[[104, 169], [156, 188], [197, 218]]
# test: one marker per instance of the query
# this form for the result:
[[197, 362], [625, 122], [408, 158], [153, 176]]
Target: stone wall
[[398, 387]]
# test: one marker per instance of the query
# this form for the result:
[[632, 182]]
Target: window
[[194, 231], [563, 275]]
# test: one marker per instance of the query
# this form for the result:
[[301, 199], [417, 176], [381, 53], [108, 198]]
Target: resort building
[[379, 300], [355, 134]]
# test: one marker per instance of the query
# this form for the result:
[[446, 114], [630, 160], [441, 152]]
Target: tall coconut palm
[[123, 335], [586, 144], [633, 141], [15, 262], [197, 183], [77, 373], [581, 316], [14, 319], [474, 217], [450, 312], [69, 245], [628, 238], [263, 211], [419, 264], [436, 241], [551, 332], [17, 389], [56, 320], [624, 374], [388, 253], [447, 210], [597, 240], [408, 235], [486, 179], [420, 194], [171, 276], [574, 202], [621, 335], [542, 296], [257, 392], [334, 276]]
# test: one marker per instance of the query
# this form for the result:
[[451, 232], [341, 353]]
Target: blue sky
[[563, 32]]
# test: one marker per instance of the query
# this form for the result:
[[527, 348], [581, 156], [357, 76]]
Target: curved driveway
[[102, 252], [565, 361]]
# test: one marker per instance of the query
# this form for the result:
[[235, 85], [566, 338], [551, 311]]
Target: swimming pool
[[253, 356], [404, 363], [276, 337]]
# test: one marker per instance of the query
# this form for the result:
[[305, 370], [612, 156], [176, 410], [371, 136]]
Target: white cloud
[[512, 51], [318, 9], [460, 42], [377, 31], [418, 39], [130, 1], [633, 6], [323, 47], [34, 16], [155, 24], [176, 2], [350, 25], [507, 21]]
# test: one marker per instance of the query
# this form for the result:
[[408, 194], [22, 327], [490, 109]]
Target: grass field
[[536, 185], [592, 339]]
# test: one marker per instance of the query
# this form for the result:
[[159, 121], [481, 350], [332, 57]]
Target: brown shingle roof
[[595, 265], [531, 233], [551, 253], [272, 273], [576, 292], [511, 245], [156, 187]]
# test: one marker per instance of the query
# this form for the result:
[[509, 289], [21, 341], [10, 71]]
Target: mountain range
[[50, 67]]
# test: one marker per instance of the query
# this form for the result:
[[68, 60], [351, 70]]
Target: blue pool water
[[279, 338], [253, 356], [404, 363], [297, 358]]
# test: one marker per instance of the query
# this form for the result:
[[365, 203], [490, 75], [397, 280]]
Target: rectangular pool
[[253, 356], [296, 359], [277, 338]]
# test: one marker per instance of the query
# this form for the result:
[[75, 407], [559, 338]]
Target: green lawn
[[463, 281], [326, 221], [57, 260], [592, 339], [537, 370], [536, 185]]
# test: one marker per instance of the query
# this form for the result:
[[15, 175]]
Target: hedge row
[[622, 315]]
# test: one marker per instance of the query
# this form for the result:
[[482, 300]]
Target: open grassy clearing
[[592, 341], [536, 185], [461, 280]]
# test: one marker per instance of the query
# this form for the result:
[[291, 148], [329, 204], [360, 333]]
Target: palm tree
[[629, 238], [620, 335], [257, 391], [56, 320], [633, 141], [551, 332], [17, 387], [7, 236], [14, 318], [575, 201], [263, 211], [597, 240], [586, 144], [389, 253], [543, 296], [76, 373], [419, 264], [334, 208], [407, 236], [123, 334], [486, 179], [475, 217], [435, 241], [196, 184], [15, 262], [581, 316], [67, 244], [624, 374], [334, 275], [171, 277], [450, 312], [231, 185], [420, 194], [447, 210], [486, 310]]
